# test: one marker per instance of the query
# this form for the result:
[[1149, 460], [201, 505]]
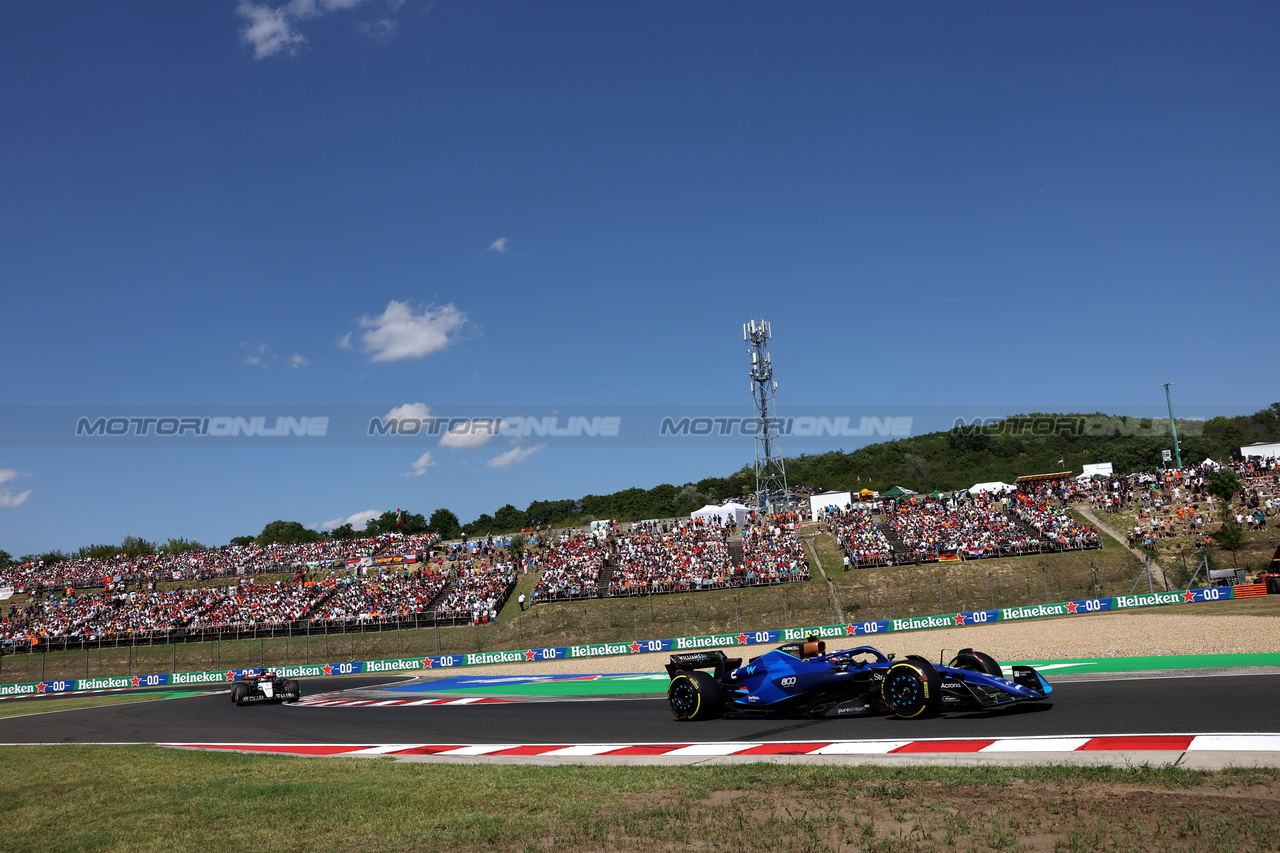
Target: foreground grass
[[147, 798]]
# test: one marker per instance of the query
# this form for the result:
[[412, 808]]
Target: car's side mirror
[[891, 657]]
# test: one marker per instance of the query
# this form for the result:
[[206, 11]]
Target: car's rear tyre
[[694, 695], [292, 686], [976, 661], [1273, 586], [238, 692], [912, 688]]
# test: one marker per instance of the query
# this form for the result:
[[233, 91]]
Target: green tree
[[508, 518], [136, 546], [1223, 484], [386, 523], [1231, 537], [181, 546], [286, 533], [445, 522], [5, 559], [97, 552], [550, 512], [481, 526], [343, 531], [243, 541]]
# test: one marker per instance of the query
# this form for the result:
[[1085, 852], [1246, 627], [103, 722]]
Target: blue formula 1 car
[[801, 679]]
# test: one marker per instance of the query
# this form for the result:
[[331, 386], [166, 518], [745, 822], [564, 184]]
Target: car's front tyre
[[912, 688]]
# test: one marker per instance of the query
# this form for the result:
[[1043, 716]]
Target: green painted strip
[[609, 685]]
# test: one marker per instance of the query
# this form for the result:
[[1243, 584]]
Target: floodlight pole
[[771, 469], [1177, 451]]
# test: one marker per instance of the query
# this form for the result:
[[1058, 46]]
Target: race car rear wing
[[715, 660]]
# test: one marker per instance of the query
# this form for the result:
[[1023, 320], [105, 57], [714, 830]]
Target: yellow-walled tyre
[[694, 696], [912, 689]]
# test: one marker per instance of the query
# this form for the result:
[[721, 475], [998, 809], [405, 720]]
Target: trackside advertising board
[[710, 641]]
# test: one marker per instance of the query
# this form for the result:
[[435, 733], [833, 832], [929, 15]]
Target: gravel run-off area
[[1103, 635]]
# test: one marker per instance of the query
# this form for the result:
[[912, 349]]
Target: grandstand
[[393, 580]]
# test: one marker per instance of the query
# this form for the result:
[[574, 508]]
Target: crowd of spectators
[[688, 557], [1175, 503], [479, 592], [248, 605], [141, 613], [858, 535], [1056, 525], [773, 554], [381, 598], [569, 570], [969, 526], [206, 564]]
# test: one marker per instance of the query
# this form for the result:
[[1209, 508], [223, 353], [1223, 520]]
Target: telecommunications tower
[[771, 468]]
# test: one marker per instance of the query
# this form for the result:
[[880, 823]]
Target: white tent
[[1263, 449], [1209, 463], [997, 486], [817, 503], [1091, 468], [722, 514], [738, 511]]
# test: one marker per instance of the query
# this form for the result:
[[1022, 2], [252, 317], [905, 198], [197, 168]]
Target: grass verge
[[148, 798], [18, 707]]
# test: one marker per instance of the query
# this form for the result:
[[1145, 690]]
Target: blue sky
[[340, 203]]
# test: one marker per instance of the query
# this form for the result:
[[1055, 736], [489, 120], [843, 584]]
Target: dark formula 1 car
[[801, 679], [263, 686]]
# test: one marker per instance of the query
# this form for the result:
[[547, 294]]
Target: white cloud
[[420, 467], [357, 521], [466, 437], [273, 30], [410, 410], [298, 361], [315, 8], [379, 31], [7, 496], [269, 31], [514, 456], [345, 341], [499, 245], [398, 333], [257, 355]]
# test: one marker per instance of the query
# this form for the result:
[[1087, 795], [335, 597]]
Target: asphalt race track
[[1244, 704]]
